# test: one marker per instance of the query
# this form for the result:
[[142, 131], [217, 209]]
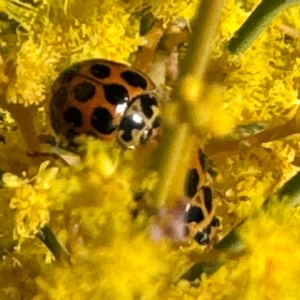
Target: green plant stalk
[[204, 29], [288, 194], [260, 18], [175, 147], [176, 136]]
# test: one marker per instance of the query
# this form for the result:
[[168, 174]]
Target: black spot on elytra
[[60, 97], [84, 91], [194, 214], [146, 103], [191, 183], [145, 137], [100, 71], [128, 125], [73, 116], [115, 94], [157, 122], [208, 198], [102, 120], [134, 79], [202, 237], [69, 73]]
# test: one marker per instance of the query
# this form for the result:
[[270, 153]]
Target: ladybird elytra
[[201, 222], [92, 96]]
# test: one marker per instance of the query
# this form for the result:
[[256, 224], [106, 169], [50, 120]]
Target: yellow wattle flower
[[89, 204]]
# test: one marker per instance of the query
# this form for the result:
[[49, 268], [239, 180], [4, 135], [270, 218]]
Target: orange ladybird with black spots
[[105, 99]]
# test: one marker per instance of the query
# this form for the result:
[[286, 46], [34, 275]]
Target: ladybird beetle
[[201, 221], [92, 97]]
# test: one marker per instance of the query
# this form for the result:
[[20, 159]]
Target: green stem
[[175, 157], [204, 28], [260, 18], [176, 145]]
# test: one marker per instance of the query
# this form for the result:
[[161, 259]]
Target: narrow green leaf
[[47, 236], [260, 18]]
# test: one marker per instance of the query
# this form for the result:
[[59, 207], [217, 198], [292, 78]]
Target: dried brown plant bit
[[146, 52], [165, 69], [175, 35], [289, 32]]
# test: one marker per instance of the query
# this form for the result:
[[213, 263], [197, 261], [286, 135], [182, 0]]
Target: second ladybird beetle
[[201, 222]]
